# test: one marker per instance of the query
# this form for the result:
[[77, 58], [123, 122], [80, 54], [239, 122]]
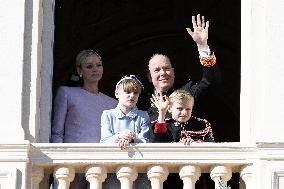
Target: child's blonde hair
[[180, 96], [130, 84]]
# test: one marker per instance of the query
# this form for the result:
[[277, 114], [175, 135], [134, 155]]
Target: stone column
[[37, 176], [126, 175], [247, 176], [218, 172], [157, 175], [64, 175], [189, 174], [96, 175]]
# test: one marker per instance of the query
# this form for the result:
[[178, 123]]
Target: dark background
[[126, 33]]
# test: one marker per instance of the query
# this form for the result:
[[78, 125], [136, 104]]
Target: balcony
[[157, 160]]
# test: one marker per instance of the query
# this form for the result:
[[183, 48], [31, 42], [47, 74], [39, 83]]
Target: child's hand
[[161, 102], [125, 138], [122, 143], [186, 140], [127, 134]]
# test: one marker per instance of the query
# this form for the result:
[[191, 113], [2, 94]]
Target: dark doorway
[[126, 33]]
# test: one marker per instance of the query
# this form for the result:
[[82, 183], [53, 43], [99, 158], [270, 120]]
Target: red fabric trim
[[160, 128]]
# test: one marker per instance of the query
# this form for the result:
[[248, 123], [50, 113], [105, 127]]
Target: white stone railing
[[157, 160]]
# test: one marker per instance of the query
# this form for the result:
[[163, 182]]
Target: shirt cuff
[[204, 52], [160, 128]]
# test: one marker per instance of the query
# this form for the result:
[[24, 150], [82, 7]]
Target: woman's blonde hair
[[82, 56]]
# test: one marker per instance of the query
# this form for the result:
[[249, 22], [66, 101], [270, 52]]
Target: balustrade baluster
[[157, 175], [64, 175], [247, 176], [96, 175], [220, 172], [126, 175], [189, 174]]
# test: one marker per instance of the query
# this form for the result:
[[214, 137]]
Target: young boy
[[125, 124], [182, 126]]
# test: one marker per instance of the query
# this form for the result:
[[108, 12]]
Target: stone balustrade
[[220, 160], [156, 174]]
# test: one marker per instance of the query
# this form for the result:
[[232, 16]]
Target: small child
[[182, 127], [125, 124]]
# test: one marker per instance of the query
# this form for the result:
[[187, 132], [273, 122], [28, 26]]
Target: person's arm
[[162, 134], [211, 73], [107, 133], [162, 104], [143, 135], [210, 76], [59, 116]]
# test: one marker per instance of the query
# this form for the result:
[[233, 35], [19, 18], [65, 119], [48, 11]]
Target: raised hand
[[200, 31], [161, 102]]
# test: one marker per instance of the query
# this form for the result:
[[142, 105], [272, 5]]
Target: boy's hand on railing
[[186, 140]]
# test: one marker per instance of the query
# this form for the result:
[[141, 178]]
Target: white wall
[[262, 75], [11, 72], [267, 69], [273, 73]]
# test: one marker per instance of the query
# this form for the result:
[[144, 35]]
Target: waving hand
[[199, 33]]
